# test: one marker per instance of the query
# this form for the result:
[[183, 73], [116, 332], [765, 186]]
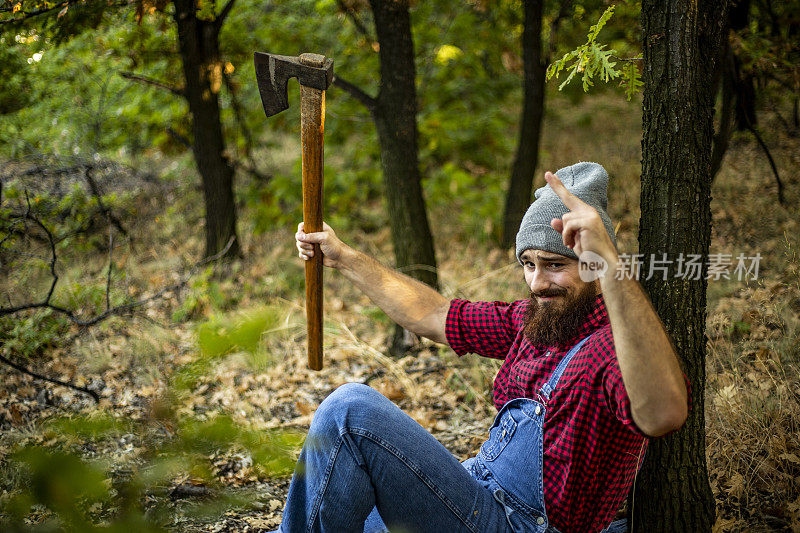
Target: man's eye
[[556, 265]]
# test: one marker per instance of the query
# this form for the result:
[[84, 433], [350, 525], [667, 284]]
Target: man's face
[[560, 300]]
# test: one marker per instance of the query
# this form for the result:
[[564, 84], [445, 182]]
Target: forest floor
[[137, 363]]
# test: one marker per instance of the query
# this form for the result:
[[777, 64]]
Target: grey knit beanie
[[589, 182]]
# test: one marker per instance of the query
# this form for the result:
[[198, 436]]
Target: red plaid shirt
[[591, 444]]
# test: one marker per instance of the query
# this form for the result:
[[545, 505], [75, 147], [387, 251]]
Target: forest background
[[194, 341]]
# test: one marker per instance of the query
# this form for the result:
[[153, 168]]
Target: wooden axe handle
[[312, 129]]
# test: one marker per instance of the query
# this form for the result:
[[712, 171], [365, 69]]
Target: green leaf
[[630, 80], [590, 59], [594, 30]]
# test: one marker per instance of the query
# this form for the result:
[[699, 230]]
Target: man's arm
[[409, 302], [647, 360]]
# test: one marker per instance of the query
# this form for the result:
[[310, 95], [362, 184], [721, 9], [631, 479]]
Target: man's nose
[[540, 282]]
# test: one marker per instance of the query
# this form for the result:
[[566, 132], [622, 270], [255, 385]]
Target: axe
[[315, 73]]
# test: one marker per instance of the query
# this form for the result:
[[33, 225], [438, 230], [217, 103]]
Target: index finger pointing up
[[569, 199]]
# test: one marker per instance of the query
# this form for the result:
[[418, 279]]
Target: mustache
[[547, 293]]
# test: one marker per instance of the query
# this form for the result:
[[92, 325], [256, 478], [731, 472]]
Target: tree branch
[[238, 115], [348, 11], [562, 14], [721, 138], [179, 137], [30, 14], [252, 170], [764, 147], [149, 81], [110, 264], [224, 14], [33, 374], [356, 93], [119, 309], [99, 197], [109, 311], [630, 59], [751, 127]]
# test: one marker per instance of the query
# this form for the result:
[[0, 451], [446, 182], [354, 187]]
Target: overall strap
[[552, 383]]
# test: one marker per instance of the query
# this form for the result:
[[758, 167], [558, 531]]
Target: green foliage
[[768, 46], [80, 104], [471, 197], [94, 428], [66, 490], [592, 60], [59, 481], [77, 102], [13, 93], [90, 298], [69, 214], [271, 450], [243, 331], [59, 21], [631, 80], [31, 335], [589, 59], [204, 294], [79, 494]]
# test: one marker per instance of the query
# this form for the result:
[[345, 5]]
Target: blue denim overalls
[[510, 461]]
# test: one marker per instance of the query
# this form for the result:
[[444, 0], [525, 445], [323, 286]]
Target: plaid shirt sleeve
[[484, 328], [615, 397]]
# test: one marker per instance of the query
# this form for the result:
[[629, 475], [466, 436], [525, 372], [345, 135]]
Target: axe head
[[273, 73]]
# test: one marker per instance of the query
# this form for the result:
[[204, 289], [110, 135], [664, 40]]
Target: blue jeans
[[364, 453], [366, 463]]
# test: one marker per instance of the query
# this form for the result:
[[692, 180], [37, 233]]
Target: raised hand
[[581, 228]]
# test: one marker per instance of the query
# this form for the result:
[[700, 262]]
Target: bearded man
[[589, 374]]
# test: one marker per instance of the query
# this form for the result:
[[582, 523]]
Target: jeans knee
[[350, 397]]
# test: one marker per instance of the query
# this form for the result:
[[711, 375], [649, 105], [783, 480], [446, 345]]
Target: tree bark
[[198, 42], [518, 197], [395, 115], [681, 44]]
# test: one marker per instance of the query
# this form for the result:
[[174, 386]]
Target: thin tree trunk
[[198, 41], [726, 112], [518, 197], [395, 115], [744, 86], [681, 43]]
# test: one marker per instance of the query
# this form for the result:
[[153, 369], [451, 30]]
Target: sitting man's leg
[[363, 452]]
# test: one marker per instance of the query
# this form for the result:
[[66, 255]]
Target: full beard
[[556, 324]]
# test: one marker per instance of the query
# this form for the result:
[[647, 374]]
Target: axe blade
[[273, 72]]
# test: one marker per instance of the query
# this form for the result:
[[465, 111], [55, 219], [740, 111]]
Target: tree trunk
[[681, 44], [198, 41], [395, 115], [726, 112], [518, 197]]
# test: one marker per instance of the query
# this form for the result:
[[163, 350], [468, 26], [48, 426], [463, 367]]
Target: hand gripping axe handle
[[315, 73]]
